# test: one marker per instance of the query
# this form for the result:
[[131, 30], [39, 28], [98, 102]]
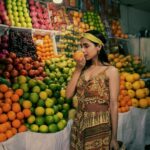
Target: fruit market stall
[[38, 44]]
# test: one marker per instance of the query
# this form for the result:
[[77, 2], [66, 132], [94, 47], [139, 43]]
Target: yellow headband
[[92, 38]]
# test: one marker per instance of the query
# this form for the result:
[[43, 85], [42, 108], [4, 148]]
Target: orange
[[3, 128], [16, 123], [19, 92], [15, 97], [11, 115], [3, 88], [8, 100], [3, 118], [7, 124], [1, 111], [9, 133], [8, 94], [20, 115], [14, 130], [123, 103], [22, 128], [6, 107], [16, 107], [2, 137], [78, 55], [1, 95], [143, 103], [26, 112]]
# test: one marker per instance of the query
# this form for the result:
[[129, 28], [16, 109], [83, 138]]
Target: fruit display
[[117, 30], [94, 21], [4, 19], [11, 115], [15, 66], [127, 63], [21, 43], [58, 16], [133, 92], [44, 46], [39, 14], [18, 13], [4, 39], [78, 24], [67, 42]]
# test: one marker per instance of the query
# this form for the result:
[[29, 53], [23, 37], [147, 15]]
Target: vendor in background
[[96, 85]]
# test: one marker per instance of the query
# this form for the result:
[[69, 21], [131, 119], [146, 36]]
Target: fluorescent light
[[57, 1]]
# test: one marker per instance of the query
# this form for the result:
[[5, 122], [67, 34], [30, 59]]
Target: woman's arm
[[71, 87], [113, 75]]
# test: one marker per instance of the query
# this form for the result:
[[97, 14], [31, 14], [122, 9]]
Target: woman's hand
[[114, 145], [80, 63]]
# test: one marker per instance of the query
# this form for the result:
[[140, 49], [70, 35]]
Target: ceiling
[[138, 4]]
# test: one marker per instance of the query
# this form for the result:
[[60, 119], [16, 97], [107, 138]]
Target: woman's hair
[[102, 56]]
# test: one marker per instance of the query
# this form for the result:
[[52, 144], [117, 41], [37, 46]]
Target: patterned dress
[[91, 129]]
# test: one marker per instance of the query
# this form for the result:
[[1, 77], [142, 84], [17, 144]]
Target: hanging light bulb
[[57, 1]]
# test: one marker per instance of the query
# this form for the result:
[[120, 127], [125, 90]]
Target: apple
[[18, 24], [29, 25], [20, 13], [22, 19], [28, 19], [15, 13], [14, 8], [23, 24], [20, 8]]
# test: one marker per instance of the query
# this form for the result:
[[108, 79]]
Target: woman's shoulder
[[111, 70]]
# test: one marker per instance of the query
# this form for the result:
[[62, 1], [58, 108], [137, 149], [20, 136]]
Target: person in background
[[96, 85]]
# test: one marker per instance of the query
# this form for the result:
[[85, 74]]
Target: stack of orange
[[79, 26], [44, 46], [117, 30], [132, 92], [11, 115]]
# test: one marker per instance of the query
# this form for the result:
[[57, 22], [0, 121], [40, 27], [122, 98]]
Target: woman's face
[[89, 49]]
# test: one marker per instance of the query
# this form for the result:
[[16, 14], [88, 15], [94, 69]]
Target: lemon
[[43, 128], [34, 128]]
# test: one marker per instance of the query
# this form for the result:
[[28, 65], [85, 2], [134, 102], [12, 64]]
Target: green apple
[[26, 15], [28, 19], [23, 24], [9, 6], [24, 6], [18, 3], [20, 8], [24, 1], [18, 24], [13, 4], [16, 19], [12, 23], [14, 8], [15, 13], [22, 19], [20, 13], [29, 25]]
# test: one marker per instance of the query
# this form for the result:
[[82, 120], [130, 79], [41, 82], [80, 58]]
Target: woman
[[96, 85]]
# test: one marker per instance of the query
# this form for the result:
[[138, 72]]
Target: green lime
[[22, 79], [49, 111], [53, 86], [39, 111], [49, 120], [41, 103], [36, 89], [26, 95], [56, 118], [34, 97], [49, 92], [39, 120], [66, 106], [43, 128], [24, 87], [57, 94], [34, 128], [65, 113], [60, 125], [53, 128], [32, 83], [55, 107], [60, 100], [43, 95], [15, 86], [49, 102]]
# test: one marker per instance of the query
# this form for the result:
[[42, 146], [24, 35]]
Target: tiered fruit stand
[[37, 43]]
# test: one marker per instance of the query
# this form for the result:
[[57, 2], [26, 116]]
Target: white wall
[[132, 20]]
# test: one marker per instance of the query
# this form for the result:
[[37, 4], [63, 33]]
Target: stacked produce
[[15, 66], [68, 42], [127, 63], [117, 30], [11, 114], [4, 19], [39, 14], [21, 43], [58, 16], [78, 24], [44, 46], [4, 39], [94, 21], [133, 92], [18, 13]]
